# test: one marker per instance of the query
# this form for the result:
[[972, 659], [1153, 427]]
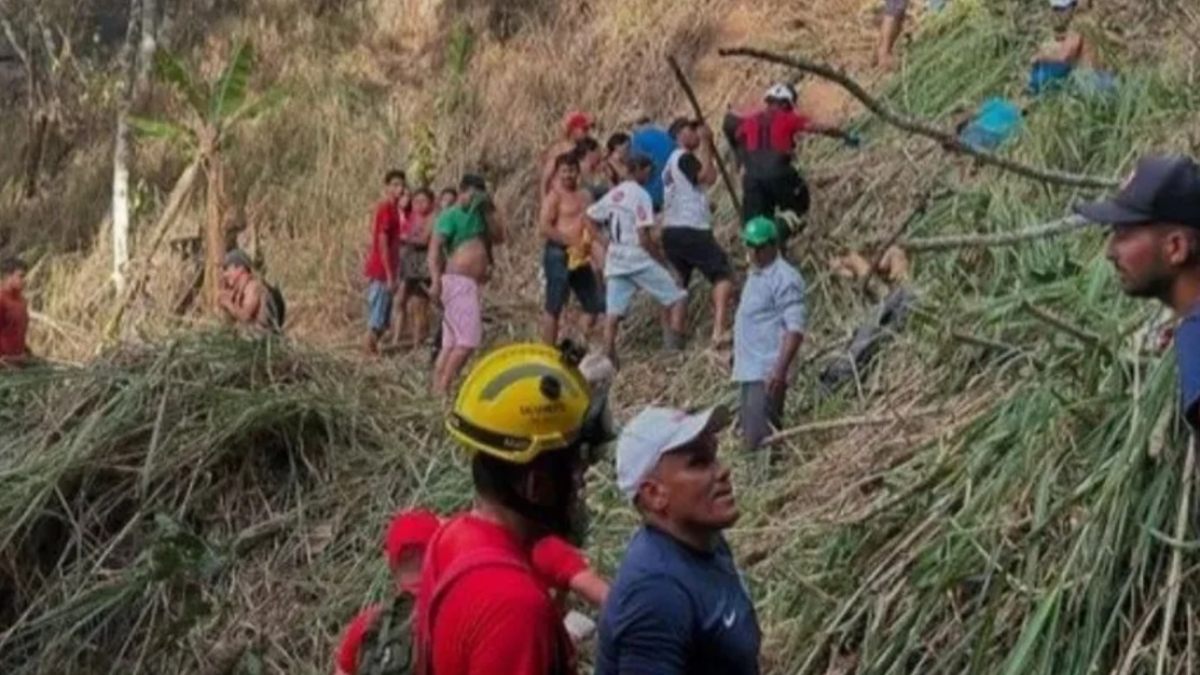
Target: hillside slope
[[992, 496]]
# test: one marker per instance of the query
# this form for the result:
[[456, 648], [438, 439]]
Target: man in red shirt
[[764, 138], [482, 609], [14, 313], [383, 259]]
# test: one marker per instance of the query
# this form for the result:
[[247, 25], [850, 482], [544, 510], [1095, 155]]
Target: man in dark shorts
[[567, 258], [687, 217], [765, 141]]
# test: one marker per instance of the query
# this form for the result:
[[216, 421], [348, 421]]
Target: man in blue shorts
[[635, 258], [679, 605], [1155, 247]]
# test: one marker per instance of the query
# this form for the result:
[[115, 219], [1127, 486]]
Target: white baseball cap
[[782, 92], [654, 433]]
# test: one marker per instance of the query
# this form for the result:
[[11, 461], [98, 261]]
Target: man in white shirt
[[687, 218], [635, 257]]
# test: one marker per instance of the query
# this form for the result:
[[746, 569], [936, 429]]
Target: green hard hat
[[760, 231]]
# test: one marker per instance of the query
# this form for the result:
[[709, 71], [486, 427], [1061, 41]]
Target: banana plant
[[212, 113]]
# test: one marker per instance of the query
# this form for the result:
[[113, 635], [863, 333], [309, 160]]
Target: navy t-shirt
[[658, 145], [674, 610], [1187, 350]]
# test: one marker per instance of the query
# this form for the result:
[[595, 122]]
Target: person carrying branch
[[687, 218], [1154, 245], [767, 332], [765, 142]]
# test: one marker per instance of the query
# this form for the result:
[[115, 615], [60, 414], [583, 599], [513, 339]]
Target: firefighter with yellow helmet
[[527, 416]]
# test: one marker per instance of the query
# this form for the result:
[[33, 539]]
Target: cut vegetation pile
[[144, 497]]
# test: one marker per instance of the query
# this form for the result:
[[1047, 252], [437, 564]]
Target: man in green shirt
[[460, 261]]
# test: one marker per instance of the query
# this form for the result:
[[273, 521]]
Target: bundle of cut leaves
[[133, 490]]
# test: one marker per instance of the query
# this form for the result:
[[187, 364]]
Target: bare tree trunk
[[147, 46], [180, 195], [214, 224], [121, 154]]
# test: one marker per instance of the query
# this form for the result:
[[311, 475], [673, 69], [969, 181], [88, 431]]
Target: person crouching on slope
[[463, 238], [635, 258], [523, 414]]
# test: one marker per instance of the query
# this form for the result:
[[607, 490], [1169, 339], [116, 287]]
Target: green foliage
[[174, 73], [231, 87]]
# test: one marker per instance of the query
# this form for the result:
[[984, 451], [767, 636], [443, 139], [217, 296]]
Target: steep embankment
[[992, 496]]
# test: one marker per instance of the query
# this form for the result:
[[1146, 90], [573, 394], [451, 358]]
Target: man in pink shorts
[[462, 238]]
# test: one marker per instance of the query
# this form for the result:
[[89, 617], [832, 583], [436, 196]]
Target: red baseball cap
[[410, 527], [577, 120]]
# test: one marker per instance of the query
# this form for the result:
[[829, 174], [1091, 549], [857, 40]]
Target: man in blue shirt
[[678, 605], [1155, 248], [654, 142], [767, 332]]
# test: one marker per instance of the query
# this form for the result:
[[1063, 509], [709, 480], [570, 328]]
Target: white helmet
[[784, 93]]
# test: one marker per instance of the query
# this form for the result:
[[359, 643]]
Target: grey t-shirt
[[772, 304]]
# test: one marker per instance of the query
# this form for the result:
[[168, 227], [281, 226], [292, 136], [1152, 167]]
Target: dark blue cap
[[1163, 189]]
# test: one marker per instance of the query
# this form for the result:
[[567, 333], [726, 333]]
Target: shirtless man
[[460, 261], [577, 126], [566, 260], [244, 298]]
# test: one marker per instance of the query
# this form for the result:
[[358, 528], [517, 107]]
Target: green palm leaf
[[231, 88], [174, 73], [257, 107], [162, 130]]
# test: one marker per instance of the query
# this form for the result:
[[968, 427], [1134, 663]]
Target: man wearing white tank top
[[687, 218]]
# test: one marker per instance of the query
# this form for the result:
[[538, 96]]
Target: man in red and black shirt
[[383, 259], [14, 313], [765, 140]]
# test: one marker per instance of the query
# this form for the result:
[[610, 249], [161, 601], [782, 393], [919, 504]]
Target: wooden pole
[[691, 96]]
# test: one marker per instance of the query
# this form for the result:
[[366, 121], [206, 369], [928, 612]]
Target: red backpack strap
[[462, 565]]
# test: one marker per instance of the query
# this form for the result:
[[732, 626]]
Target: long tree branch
[[914, 126], [953, 241]]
